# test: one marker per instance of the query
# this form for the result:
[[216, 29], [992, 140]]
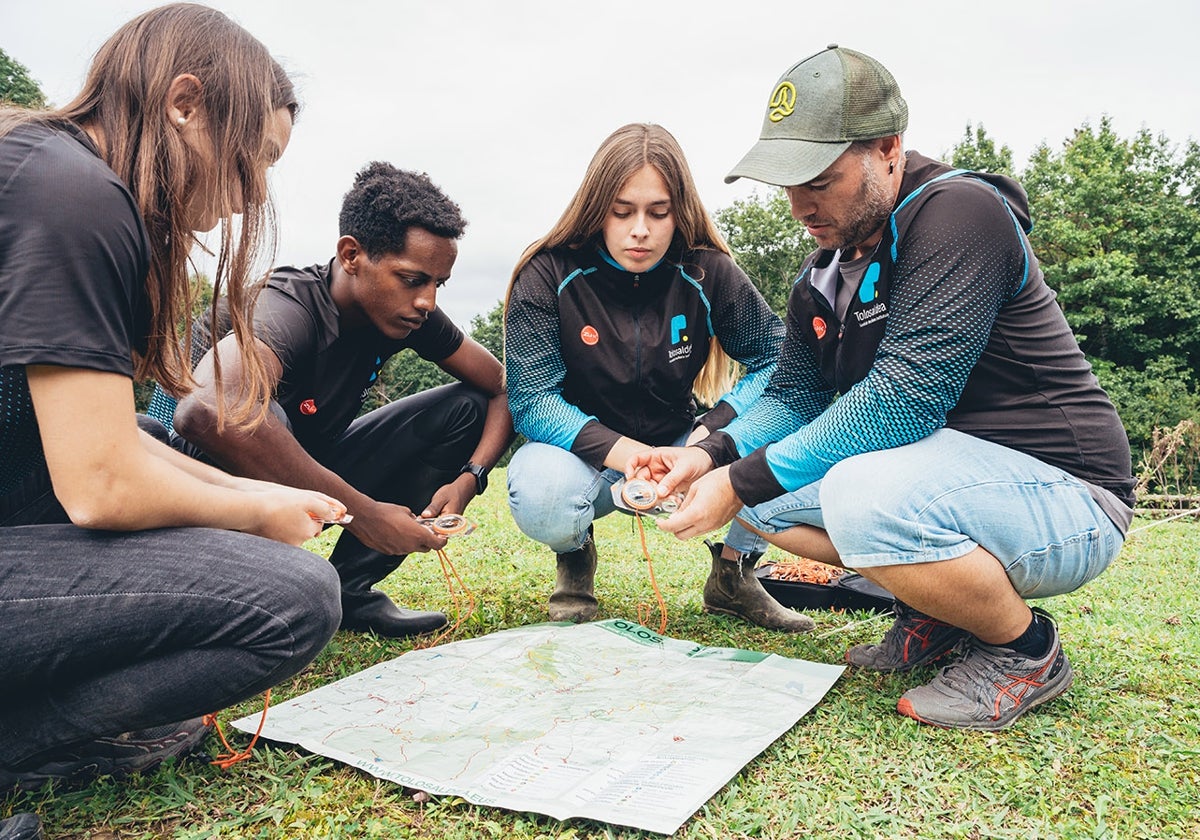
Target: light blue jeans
[[938, 499], [555, 496]]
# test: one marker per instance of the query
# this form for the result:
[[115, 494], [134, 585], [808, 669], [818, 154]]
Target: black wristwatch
[[480, 472]]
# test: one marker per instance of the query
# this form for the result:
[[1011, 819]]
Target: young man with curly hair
[[324, 333]]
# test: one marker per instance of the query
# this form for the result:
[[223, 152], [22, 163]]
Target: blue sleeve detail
[[749, 389], [892, 219], [533, 364], [794, 397], [1021, 233], [162, 408], [1021, 237], [953, 277]]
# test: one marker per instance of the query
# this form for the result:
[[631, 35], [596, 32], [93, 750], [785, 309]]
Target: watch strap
[[480, 472]]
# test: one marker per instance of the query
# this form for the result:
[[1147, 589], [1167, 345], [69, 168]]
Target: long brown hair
[[622, 154], [124, 105]]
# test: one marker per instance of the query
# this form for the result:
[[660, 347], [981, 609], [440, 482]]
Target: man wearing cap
[[932, 423]]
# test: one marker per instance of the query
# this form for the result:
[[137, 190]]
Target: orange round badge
[[819, 327], [308, 407], [589, 336]]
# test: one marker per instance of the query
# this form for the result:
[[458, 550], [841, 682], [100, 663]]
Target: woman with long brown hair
[[616, 322], [138, 588]]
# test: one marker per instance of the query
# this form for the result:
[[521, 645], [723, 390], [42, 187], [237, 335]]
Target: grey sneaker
[[990, 687], [913, 639], [117, 756]]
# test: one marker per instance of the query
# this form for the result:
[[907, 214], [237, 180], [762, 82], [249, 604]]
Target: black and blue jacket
[[594, 352], [952, 326]]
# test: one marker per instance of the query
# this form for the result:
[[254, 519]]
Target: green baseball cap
[[816, 110]]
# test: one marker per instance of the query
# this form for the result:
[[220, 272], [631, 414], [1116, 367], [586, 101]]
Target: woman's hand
[[671, 466], [290, 515]]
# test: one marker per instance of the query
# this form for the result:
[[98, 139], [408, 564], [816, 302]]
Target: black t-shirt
[[74, 255], [326, 374]]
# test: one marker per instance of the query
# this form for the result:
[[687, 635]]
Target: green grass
[[1117, 757]]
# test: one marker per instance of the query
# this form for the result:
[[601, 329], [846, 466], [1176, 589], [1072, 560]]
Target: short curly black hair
[[385, 202]]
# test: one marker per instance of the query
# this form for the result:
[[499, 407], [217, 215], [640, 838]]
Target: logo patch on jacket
[[681, 349], [678, 325], [871, 314], [589, 336], [866, 289], [819, 327], [309, 406], [867, 293]]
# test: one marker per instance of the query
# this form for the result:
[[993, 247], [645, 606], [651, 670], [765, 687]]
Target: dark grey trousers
[[103, 632]]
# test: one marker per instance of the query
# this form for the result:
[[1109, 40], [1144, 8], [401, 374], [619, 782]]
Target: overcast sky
[[503, 103]]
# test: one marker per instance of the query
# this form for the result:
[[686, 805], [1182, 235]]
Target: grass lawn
[[1117, 757]]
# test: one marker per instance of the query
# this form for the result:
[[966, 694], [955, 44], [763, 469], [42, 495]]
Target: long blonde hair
[[124, 102], [622, 154]]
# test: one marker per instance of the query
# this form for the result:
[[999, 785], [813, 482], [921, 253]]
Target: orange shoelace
[[645, 610], [461, 597], [231, 756]]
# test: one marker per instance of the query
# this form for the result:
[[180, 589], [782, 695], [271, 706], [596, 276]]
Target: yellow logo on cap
[[783, 101]]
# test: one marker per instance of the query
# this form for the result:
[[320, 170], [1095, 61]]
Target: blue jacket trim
[[703, 297], [572, 276], [953, 174], [604, 255]]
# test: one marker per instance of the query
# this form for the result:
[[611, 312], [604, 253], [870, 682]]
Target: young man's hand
[[393, 529], [451, 498]]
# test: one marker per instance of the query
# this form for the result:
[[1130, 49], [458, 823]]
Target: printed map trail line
[[608, 721]]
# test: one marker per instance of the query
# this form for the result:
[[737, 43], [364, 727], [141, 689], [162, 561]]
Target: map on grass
[[607, 721]]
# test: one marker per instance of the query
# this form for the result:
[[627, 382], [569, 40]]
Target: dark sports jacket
[[952, 326], [594, 352]]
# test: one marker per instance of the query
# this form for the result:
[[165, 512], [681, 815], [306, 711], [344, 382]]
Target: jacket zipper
[[637, 343]]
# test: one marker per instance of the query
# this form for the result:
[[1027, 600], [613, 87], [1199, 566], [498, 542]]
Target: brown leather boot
[[732, 589], [573, 598]]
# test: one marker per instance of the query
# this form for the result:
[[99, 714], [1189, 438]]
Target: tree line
[[1116, 230]]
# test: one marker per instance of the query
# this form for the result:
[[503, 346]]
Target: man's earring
[[891, 168]]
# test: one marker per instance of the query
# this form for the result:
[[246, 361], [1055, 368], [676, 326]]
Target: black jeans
[[103, 632]]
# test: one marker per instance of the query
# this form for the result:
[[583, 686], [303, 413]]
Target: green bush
[[1160, 396]]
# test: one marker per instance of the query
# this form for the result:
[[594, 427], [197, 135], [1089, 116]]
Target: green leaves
[[977, 151], [767, 243], [1117, 229], [17, 86]]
